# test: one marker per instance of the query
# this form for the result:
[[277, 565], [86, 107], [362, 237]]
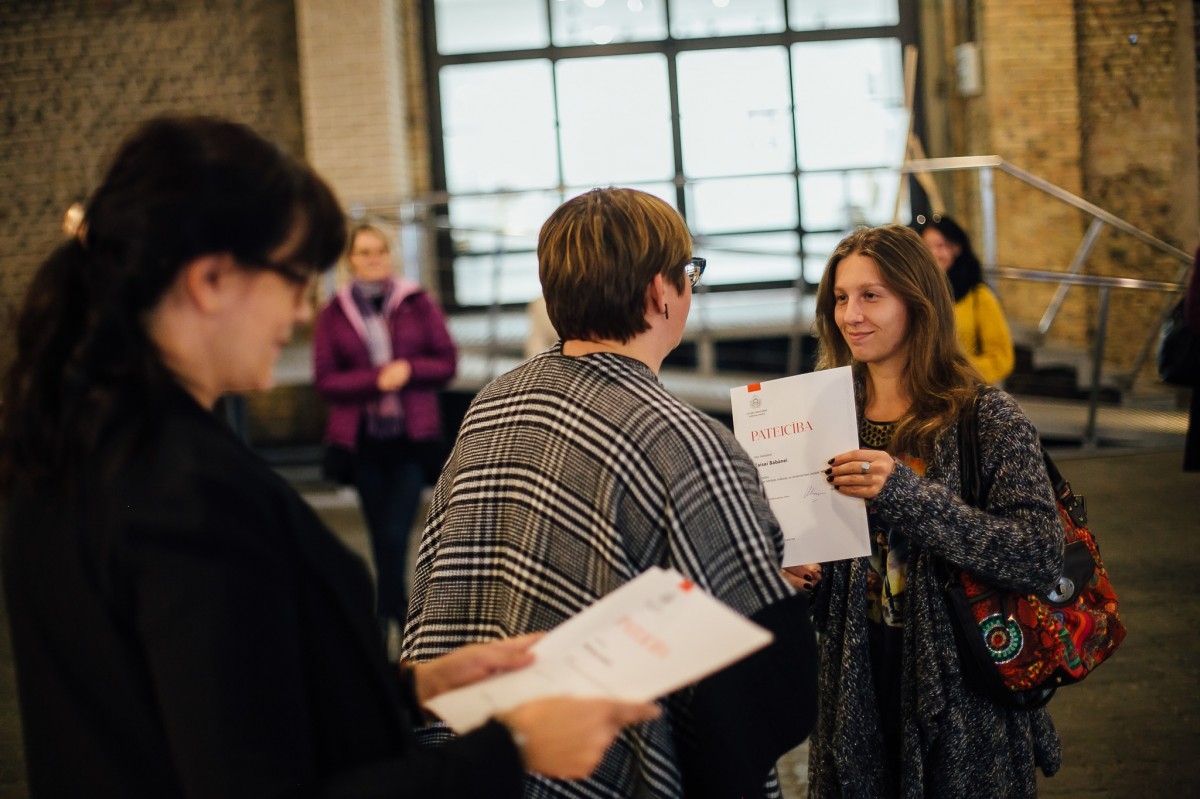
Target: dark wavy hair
[[179, 188], [938, 378], [966, 272]]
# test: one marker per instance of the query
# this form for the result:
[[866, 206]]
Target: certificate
[[791, 427], [653, 635]]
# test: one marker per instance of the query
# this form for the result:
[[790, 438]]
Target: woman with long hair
[[182, 622], [982, 330], [896, 717]]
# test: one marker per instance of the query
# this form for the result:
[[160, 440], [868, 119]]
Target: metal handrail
[[416, 211], [989, 161], [1105, 285], [985, 164]]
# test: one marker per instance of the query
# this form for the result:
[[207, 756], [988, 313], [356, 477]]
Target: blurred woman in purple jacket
[[381, 353]]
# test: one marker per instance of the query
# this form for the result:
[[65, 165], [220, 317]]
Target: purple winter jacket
[[343, 373]]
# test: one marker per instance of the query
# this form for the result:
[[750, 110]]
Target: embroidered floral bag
[[1018, 648]]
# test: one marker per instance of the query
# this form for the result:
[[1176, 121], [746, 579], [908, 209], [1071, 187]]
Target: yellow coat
[[983, 334]]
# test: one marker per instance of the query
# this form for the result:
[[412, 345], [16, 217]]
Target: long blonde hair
[[938, 378]]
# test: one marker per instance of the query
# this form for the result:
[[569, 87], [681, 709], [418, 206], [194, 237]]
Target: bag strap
[[1072, 503], [968, 452]]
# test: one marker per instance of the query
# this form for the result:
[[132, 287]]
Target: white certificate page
[[791, 427], [653, 635]]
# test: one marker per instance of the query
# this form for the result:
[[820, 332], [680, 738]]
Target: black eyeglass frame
[[297, 276], [693, 269]]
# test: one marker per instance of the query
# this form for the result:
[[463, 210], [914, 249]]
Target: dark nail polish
[[829, 479], [829, 461], [829, 471]]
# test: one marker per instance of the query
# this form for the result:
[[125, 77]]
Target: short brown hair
[[598, 252], [938, 378]]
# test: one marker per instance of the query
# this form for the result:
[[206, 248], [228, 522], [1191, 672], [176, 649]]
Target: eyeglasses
[[694, 269], [291, 272]]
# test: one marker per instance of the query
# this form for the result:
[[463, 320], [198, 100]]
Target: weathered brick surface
[[353, 95], [1032, 120], [363, 98], [75, 77], [1139, 156], [1098, 97]]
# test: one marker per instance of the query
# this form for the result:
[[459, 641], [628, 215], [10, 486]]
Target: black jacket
[[184, 625]]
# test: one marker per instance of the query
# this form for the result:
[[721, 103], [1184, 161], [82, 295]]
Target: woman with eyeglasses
[[381, 353], [182, 622], [982, 330], [578, 470], [897, 718]]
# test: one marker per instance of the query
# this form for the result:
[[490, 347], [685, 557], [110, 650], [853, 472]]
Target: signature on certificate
[[812, 494]]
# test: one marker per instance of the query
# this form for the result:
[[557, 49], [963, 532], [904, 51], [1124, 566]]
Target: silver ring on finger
[[865, 466]]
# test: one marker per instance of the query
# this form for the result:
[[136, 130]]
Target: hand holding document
[[653, 635], [791, 427]]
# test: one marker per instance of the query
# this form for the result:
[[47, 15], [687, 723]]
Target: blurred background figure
[[542, 335], [982, 329], [381, 354]]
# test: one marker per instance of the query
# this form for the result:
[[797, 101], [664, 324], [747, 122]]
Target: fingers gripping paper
[[653, 635]]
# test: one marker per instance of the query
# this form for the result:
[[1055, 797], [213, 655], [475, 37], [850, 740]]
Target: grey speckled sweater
[[955, 742]]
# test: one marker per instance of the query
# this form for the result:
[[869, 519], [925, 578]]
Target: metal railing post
[[987, 207], [1089, 432], [1081, 255]]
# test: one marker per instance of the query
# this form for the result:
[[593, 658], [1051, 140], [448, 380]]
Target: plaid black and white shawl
[[569, 477]]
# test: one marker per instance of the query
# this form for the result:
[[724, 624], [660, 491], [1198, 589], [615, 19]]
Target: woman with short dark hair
[[578, 470]]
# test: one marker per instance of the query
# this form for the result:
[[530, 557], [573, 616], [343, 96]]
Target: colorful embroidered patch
[[1002, 637]]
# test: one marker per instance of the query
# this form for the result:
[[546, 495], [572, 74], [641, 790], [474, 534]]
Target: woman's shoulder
[[1004, 428], [996, 402], [982, 294], [332, 308]]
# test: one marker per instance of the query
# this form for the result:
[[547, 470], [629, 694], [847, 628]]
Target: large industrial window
[[774, 126]]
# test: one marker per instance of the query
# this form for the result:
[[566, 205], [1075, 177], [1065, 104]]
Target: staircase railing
[[985, 166]]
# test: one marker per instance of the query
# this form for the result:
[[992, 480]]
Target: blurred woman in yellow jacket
[[982, 330]]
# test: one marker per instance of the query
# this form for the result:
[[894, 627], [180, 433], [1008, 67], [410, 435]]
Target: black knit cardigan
[[955, 743]]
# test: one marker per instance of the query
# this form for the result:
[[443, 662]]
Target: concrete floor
[[1131, 730]]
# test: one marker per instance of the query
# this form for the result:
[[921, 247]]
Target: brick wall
[[1098, 97], [1140, 161], [354, 97], [364, 105], [77, 76], [1029, 115]]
